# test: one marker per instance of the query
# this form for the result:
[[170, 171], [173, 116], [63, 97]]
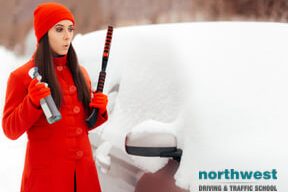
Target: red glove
[[37, 91], [99, 101]]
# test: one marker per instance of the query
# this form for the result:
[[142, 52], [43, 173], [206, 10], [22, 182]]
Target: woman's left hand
[[99, 101]]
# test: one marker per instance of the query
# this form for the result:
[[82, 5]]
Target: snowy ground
[[12, 152], [219, 87]]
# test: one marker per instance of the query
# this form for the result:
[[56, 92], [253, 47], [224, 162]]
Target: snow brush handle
[[101, 81], [91, 120]]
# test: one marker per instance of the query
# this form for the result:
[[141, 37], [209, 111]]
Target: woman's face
[[60, 37]]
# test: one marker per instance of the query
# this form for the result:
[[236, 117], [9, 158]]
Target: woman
[[58, 155]]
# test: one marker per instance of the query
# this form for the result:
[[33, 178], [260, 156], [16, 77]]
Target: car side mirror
[[152, 145]]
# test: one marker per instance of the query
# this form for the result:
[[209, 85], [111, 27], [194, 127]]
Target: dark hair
[[44, 61]]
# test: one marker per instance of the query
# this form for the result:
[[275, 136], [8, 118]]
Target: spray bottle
[[47, 103]]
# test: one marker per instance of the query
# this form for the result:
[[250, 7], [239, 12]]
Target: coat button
[[79, 154], [72, 89], [76, 109], [60, 68], [79, 131]]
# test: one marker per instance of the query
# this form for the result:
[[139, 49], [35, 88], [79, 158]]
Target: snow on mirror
[[153, 144]]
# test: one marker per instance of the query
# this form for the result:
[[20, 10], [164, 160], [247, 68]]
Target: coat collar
[[60, 60]]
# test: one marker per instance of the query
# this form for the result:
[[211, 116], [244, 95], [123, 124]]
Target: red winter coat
[[54, 151]]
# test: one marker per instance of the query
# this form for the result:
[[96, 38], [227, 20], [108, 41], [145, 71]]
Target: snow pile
[[220, 86]]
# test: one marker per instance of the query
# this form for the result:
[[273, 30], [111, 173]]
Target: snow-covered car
[[215, 90]]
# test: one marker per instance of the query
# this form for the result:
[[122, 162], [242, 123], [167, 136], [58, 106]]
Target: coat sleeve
[[19, 113], [101, 118]]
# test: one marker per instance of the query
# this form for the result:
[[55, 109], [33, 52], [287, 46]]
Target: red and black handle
[[91, 120]]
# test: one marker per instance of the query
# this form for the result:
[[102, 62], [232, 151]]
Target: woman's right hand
[[37, 91]]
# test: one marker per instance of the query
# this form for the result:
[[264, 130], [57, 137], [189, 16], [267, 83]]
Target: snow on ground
[[12, 152], [219, 87]]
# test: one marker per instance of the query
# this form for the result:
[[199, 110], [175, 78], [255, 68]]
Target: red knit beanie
[[46, 15]]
